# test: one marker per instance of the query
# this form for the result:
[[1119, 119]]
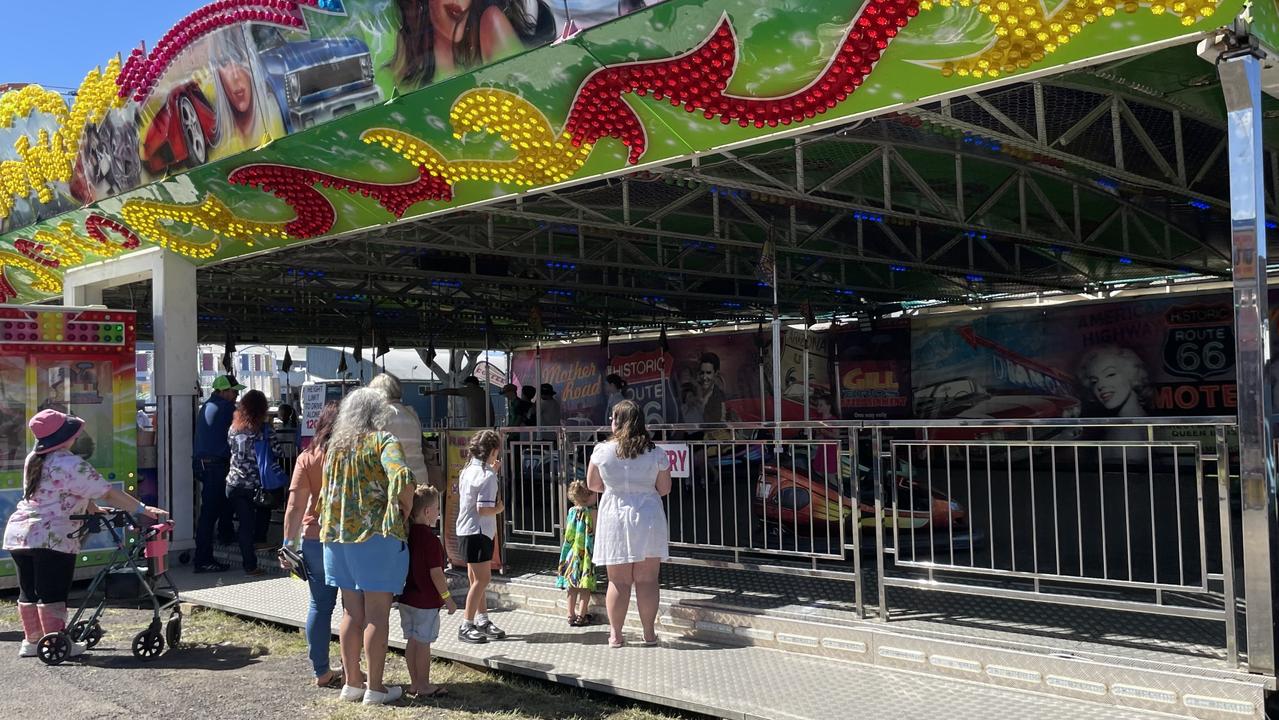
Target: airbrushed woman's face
[[238, 86], [446, 14], [1109, 379]]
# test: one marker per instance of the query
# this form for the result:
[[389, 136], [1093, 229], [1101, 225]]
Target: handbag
[[270, 475], [264, 498], [294, 559]]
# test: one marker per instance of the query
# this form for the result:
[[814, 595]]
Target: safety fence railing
[[1109, 514], [741, 497], [534, 488], [1128, 515]]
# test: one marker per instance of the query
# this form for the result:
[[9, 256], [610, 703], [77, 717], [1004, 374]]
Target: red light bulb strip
[[698, 80], [141, 72], [315, 214]]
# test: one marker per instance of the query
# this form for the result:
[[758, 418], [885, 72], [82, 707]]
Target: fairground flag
[[535, 319], [766, 271]]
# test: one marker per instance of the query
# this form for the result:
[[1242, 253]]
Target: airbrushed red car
[[183, 130], [794, 506]]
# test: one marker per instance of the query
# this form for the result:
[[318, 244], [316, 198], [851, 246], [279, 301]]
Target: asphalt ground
[[231, 669]]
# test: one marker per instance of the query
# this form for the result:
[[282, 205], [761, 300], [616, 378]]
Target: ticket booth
[[78, 361]]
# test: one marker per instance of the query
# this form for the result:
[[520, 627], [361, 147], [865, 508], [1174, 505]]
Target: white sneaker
[[393, 693], [351, 694], [28, 649]]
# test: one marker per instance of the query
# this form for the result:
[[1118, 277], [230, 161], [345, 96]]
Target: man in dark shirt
[[708, 385], [211, 460], [516, 407]]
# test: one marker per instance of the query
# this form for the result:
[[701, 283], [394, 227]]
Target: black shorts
[[476, 548]]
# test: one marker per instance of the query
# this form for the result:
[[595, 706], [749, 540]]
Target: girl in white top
[[631, 536], [404, 425]]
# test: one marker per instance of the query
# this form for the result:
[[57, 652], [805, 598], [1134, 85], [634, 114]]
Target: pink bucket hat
[[54, 430]]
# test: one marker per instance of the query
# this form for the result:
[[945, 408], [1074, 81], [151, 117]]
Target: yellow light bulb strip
[[51, 158], [1027, 32], [153, 220]]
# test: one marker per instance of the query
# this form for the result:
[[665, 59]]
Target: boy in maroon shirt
[[425, 591]]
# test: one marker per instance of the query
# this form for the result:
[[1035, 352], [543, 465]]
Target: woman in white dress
[[631, 535]]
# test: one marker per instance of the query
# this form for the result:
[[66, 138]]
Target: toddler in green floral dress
[[576, 571]]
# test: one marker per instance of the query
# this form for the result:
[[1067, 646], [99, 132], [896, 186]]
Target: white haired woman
[[366, 498], [405, 426]]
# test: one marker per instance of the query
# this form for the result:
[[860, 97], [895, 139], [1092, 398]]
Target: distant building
[[256, 367]]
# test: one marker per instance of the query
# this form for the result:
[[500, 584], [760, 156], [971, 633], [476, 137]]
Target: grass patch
[[475, 694], [9, 612], [211, 627]]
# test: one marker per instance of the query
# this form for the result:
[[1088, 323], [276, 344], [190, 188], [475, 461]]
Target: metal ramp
[[1128, 661], [767, 645]]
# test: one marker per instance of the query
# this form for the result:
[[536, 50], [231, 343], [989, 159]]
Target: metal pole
[[836, 382], [1241, 85], [488, 394], [763, 389], [537, 403], [807, 390], [661, 389], [777, 357]]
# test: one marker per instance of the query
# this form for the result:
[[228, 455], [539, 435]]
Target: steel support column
[[173, 319], [1241, 85]]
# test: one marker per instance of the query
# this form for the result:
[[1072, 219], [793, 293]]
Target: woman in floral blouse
[[56, 484], [365, 500]]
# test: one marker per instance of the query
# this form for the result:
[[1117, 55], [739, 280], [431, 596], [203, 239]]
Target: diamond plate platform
[[686, 673], [1127, 659], [1109, 635]]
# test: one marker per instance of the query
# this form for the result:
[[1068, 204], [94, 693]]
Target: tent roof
[[1071, 184]]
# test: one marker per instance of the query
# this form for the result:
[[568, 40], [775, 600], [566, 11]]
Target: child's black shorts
[[476, 548]]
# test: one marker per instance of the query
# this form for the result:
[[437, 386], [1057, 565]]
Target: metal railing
[[740, 497], [1126, 514], [1107, 514], [533, 488]]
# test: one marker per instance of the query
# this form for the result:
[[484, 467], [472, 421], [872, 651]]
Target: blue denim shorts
[[378, 564], [419, 624]]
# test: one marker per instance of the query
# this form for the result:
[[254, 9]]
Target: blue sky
[[55, 42]]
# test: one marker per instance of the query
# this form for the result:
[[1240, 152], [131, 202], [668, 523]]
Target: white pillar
[[176, 381], [174, 318], [82, 296]]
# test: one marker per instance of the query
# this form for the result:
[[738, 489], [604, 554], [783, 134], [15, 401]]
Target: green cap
[[226, 382]]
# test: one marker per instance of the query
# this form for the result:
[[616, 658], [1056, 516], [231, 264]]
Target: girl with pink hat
[[56, 484]]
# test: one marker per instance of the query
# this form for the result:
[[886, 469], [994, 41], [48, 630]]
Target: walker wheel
[[54, 648], [89, 633], [184, 557], [173, 631], [147, 645]]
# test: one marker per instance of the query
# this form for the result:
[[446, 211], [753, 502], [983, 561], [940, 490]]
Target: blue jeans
[[319, 617], [215, 511]]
